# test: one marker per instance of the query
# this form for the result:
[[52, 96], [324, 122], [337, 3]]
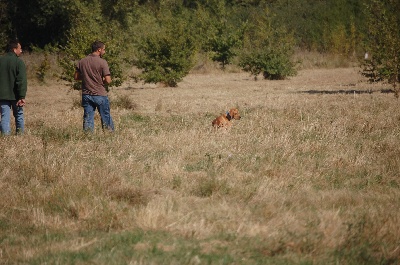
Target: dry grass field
[[309, 175]]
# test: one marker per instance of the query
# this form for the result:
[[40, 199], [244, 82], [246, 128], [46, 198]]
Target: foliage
[[121, 11], [340, 42], [384, 41], [221, 48], [77, 47], [40, 22], [272, 64], [267, 50], [223, 45], [325, 26], [223, 37], [166, 54], [315, 23], [79, 43], [217, 27], [4, 24], [165, 58], [43, 68]]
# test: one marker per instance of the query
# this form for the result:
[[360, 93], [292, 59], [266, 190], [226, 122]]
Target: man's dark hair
[[97, 45], [12, 44]]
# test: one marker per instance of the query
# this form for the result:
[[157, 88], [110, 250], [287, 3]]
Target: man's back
[[92, 71], [12, 77]]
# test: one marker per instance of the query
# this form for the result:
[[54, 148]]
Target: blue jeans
[[89, 104], [18, 112]]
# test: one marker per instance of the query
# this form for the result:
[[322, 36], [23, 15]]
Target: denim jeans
[[89, 104], [18, 112]]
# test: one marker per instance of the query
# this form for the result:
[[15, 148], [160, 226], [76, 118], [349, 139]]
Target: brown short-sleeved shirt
[[92, 69]]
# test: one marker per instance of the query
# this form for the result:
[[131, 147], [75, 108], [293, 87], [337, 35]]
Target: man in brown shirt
[[94, 72]]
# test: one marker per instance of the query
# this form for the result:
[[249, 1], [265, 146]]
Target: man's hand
[[21, 102], [107, 80], [77, 76]]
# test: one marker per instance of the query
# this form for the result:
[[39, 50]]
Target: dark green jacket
[[13, 82]]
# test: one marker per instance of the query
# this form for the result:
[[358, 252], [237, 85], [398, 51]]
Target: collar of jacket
[[11, 54]]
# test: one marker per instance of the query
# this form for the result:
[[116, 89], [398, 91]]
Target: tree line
[[163, 37]]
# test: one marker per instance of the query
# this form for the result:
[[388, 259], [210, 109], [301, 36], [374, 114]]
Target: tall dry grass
[[309, 175]]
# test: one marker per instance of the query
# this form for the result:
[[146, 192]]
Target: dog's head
[[234, 113]]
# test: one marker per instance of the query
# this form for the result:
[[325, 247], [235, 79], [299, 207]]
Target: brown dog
[[224, 121]]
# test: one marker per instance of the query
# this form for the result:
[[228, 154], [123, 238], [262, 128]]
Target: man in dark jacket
[[13, 87]]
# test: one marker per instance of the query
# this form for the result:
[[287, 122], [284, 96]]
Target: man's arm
[[21, 80], [77, 75], [107, 79]]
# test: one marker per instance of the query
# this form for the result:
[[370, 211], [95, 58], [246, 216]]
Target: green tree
[[165, 54], [4, 24], [223, 45], [267, 49], [383, 40], [217, 28], [224, 37], [324, 25], [39, 22]]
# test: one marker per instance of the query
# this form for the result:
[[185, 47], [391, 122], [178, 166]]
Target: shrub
[[166, 54], [224, 36], [274, 65], [42, 69], [222, 48], [267, 49], [4, 25], [383, 42], [164, 59]]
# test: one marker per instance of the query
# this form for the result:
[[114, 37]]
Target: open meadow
[[309, 175]]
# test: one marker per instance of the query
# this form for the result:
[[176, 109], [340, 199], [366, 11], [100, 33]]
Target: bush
[[166, 54], [224, 34], [5, 25], [42, 69], [274, 65], [222, 47], [267, 49], [383, 42]]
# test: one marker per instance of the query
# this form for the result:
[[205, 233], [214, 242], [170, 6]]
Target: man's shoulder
[[100, 61], [84, 59], [11, 57], [6, 55], [95, 57], [92, 57]]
